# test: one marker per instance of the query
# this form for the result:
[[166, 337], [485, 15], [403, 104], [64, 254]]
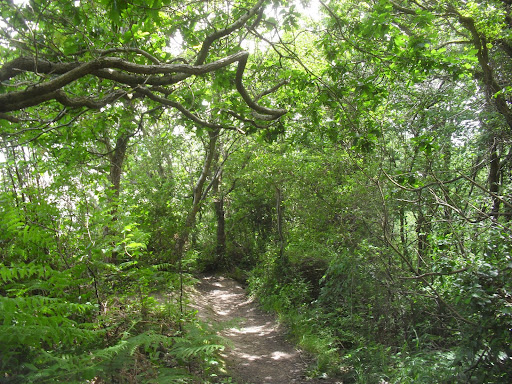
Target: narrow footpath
[[259, 352]]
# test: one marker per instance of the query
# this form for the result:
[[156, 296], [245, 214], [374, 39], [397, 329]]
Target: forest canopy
[[350, 161]]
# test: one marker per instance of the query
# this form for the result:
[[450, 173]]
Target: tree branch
[[205, 48], [104, 68], [272, 113], [174, 104], [12, 119]]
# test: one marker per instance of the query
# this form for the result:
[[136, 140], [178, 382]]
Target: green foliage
[[374, 217], [75, 297]]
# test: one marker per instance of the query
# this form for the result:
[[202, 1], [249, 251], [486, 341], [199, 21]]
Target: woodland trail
[[258, 352]]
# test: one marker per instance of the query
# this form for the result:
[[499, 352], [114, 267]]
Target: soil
[[257, 352]]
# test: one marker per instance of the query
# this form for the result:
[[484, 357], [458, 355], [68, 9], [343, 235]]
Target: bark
[[422, 232], [13, 185], [104, 67], [135, 80], [136, 86], [403, 232], [491, 85], [479, 41], [218, 206], [422, 241], [117, 158]]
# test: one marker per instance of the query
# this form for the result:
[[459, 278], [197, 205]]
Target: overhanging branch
[[125, 73]]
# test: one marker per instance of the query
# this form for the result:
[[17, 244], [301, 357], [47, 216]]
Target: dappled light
[[348, 163], [257, 349]]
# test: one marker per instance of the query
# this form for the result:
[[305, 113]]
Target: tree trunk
[[220, 250], [198, 196], [494, 183], [116, 158], [422, 232], [279, 213], [218, 207], [403, 232]]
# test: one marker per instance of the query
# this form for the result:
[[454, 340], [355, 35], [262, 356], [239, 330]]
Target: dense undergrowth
[[136, 339], [366, 328], [94, 314]]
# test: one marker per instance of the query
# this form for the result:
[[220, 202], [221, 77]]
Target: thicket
[[380, 220], [83, 300], [369, 306], [372, 214]]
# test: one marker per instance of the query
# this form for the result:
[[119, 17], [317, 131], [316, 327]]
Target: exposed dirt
[[259, 352]]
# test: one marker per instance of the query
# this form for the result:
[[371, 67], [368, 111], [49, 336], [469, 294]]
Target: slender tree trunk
[[403, 232], [220, 250], [422, 232], [19, 173], [218, 207], [8, 170], [279, 212], [198, 196], [494, 182], [117, 157]]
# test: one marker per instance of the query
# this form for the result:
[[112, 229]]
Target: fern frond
[[187, 352], [163, 267], [197, 342], [128, 345], [18, 271]]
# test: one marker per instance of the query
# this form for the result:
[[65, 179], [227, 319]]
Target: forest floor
[[257, 352]]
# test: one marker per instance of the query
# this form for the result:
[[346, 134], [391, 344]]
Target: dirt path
[[259, 353]]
